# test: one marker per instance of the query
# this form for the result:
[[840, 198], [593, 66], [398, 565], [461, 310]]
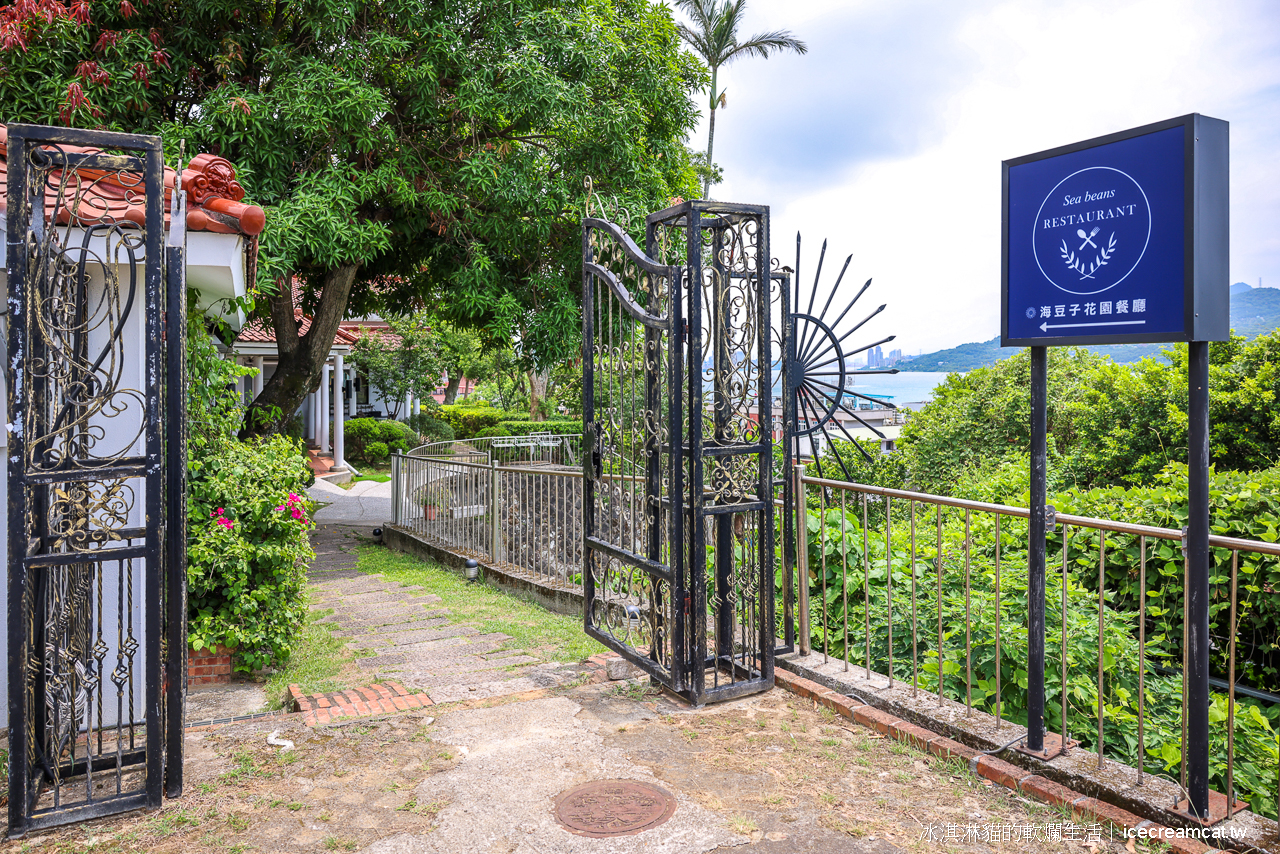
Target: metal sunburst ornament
[[817, 364]]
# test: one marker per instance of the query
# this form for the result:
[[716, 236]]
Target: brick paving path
[[404, 634]]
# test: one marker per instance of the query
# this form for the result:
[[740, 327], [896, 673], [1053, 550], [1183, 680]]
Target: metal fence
[[929, 592], [514, 501], [926, 592]]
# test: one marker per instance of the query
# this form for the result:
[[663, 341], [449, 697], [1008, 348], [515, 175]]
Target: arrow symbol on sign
[[1045, 327]]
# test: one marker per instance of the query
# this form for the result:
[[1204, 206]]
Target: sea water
[[910, 389]]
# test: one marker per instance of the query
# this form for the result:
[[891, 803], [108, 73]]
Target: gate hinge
[[1185, 531], [684, 329], [1050, 518]]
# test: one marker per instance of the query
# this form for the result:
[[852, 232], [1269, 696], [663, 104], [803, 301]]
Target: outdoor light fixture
[[473, 571], [633, 619], [377, 535]]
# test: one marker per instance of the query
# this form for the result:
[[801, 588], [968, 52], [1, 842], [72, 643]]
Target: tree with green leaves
[[408, 361], [461, 354], [407, 153], [714, 37], [1109, 424]]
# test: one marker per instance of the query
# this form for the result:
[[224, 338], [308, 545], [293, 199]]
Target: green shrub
[[375, 452], [470, 418], [248, 550], [524, 428], [431, 427], [1245, 505], [359, 433], [839, 573]]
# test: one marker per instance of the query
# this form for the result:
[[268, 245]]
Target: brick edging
[[988, 767], [383, 698]]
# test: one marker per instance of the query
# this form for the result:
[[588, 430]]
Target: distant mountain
[[966, 357], [1254, 311]]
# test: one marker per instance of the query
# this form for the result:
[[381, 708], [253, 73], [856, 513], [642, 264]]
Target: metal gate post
[[1035, 553], [175, 316], [1197, 592], [802, 562]]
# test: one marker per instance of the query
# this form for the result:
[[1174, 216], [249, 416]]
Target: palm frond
[[762, 44]]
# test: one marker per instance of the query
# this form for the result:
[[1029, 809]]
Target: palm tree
[[714, 36]]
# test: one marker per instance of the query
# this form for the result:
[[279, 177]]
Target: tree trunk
[[711, 135], [537, 391], [451, 390], [301, 367]]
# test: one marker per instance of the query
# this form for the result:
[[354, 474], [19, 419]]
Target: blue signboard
[[1118, 239]]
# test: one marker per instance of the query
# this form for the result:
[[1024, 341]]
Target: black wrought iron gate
[[678, 346], [96, 592]]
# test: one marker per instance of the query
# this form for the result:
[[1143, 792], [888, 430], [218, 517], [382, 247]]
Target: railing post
[[493, 509], [396, 511], [1197, 593], [802, 563], [1035, 552]]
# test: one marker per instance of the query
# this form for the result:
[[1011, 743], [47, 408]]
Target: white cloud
[[887, 137]]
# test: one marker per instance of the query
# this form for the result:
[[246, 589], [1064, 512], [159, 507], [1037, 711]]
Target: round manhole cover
[[613, 808]]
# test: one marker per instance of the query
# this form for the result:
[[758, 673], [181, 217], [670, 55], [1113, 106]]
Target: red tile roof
[[257, 332], [213, 196]]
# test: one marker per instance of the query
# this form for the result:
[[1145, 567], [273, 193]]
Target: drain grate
[[613, 808]]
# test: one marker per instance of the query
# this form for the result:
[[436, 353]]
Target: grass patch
[[375, 476], [533, 629], [319, 664]]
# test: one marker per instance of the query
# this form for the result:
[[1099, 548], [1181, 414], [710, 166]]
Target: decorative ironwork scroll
[[685, 348], [95, 488], [818, 375], [677, 347]]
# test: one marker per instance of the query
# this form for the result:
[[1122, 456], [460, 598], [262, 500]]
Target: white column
[[314, 401], [324, 411], [257, 378], [408, 404], [339, 462]]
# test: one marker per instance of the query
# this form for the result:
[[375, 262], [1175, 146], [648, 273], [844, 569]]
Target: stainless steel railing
[[945, 562]]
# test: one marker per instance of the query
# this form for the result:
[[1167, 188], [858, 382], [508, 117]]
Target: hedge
[[372, 439], [469, 419], [524, 428]]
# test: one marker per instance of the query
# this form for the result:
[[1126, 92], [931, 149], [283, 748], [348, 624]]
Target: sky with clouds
[[887, 137]]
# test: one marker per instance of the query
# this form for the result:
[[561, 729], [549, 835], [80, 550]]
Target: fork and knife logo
[[1087, 238]]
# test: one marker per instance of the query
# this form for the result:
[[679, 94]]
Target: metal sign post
[[1122, 239]]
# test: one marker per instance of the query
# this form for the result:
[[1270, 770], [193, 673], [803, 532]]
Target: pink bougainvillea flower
[[281, 507], [293, 496]]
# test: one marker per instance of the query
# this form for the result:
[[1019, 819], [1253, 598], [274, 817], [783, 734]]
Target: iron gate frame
[[686, 506], [35, 153]]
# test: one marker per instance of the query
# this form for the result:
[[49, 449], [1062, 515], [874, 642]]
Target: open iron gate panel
[[677, 394], [96, 607]]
